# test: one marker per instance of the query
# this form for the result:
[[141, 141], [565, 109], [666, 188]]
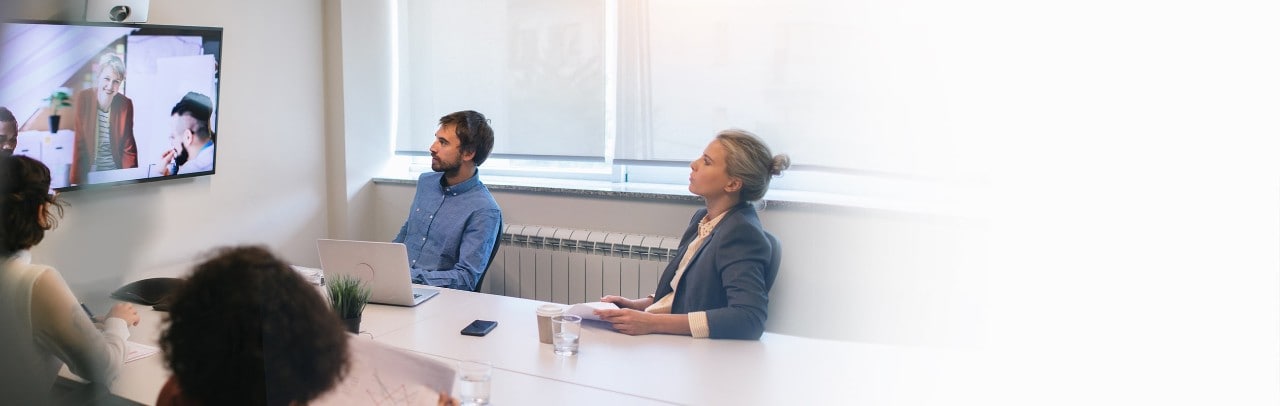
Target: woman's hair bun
[[780, 163]]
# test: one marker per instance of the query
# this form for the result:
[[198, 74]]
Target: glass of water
[[473, 382], [565, 330]]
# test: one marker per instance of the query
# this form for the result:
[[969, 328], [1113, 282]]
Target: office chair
[[492, 254], [150, 292], [775, 262]]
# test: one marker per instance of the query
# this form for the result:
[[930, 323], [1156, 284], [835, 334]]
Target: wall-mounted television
[[105, 104]]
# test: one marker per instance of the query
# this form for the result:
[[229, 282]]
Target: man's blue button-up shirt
[[450, 231]]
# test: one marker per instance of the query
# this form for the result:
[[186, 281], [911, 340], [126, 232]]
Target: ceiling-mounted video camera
[[117, 11]]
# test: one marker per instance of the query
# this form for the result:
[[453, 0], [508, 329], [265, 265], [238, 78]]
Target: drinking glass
[[565, 330], [473, 382]]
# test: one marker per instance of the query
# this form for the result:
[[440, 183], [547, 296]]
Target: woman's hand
[[622, 302], [126, 312], [630, 321]]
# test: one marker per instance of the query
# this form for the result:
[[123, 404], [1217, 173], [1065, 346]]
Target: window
[[632, 90], [535, 68]]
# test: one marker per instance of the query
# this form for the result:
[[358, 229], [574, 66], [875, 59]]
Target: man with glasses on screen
[[454, 221], [190, 136]]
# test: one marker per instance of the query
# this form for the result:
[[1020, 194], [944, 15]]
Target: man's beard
[[182, 156], [440, 165], [5, 152]]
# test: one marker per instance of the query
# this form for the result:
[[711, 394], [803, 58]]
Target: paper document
[[385, 375], [313, 275], [135, 351], [587, 310]]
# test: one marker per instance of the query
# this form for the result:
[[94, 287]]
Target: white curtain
[[535, 68], [832, 83], [850, 87]]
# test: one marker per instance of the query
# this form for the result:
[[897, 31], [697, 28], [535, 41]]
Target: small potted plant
[[61, 97], [347, 297]]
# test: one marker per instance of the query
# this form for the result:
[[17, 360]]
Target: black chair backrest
[[149, 292], [492, 254], [775, 262]]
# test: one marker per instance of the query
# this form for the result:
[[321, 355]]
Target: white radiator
[[574, 266]]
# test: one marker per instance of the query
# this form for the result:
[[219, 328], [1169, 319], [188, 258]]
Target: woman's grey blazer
[[728, 276]]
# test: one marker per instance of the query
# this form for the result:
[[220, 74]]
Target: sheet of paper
[[313, 275], [135, 351], [385, 375], [587, 310]]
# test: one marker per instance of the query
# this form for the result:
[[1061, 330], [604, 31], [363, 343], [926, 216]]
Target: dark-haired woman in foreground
[[42, 325], [718, 284], [245, 329]]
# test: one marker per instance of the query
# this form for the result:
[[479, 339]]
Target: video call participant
[[454, 221], [717, 286], [246, 329], [42, 325], [8, 132], [103, 123], [190, 136]]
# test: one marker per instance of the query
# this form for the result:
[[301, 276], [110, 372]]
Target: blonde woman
[[718, 284], [103, 123]]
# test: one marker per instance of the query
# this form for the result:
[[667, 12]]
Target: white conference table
[[614, 368], [777, 369], [140, 381]]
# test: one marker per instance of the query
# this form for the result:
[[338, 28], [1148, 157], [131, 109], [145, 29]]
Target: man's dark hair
[[24, 190], [199, 107], [246, 329], [6, 116], [473, 131]]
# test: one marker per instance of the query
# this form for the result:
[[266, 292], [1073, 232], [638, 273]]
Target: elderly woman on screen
[[42, 325], [718, 284], [103, 123]]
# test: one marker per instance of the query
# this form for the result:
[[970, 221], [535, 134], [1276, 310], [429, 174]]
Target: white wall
[[847, 274], [359, 79], [270, 185]]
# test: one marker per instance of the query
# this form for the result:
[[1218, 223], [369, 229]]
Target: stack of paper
[[587, 310], [135, 351]]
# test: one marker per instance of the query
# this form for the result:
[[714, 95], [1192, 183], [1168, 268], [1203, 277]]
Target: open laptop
[[382, 265]]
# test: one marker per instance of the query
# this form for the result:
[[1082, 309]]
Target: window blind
[[535, 68], [801, 74]]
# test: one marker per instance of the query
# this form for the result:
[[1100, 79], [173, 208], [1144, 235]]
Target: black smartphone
[[479, 328]]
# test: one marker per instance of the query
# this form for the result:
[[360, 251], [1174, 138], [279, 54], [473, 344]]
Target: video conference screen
[[103, 104]]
